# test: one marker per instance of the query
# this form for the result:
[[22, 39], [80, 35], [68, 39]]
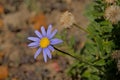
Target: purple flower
[[44, 41]]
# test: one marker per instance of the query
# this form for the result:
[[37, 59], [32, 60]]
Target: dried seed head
[[116, 54], [118, 65], [67, 19], [112, 13], [110, 1]]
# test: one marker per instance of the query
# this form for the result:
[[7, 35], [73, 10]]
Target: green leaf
[[108, 45], [72, 42], [100, 62]]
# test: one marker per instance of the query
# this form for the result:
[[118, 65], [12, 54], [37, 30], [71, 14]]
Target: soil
[[16, 27]]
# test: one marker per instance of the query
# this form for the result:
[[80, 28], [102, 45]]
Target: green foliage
[[103, 38]]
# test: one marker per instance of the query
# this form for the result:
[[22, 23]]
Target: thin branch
[[78, 26], [65, 52]]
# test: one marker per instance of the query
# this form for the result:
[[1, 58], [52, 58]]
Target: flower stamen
[[44, 42]]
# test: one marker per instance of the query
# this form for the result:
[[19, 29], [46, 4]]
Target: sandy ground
[[16, 25]]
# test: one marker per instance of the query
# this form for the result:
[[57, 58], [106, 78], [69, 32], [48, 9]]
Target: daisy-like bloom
[[110, 1], [112, 13], [45, 42], [67, 19]]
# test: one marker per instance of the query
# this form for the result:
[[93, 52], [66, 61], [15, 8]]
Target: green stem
[[76, 58], [78, 26], [72, 56], [65, 53]]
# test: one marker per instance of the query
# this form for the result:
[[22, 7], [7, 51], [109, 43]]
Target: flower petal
[[33, 38], [49, 30], [34, 44], [43, 31], [44, 55], [55, 41], [53, 34], [51, 48], [37, 53], [48, 53], [38, 33]]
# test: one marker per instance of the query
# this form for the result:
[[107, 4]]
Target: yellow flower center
[[44, 42]]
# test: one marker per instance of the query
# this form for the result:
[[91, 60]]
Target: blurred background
[[18, 20]]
